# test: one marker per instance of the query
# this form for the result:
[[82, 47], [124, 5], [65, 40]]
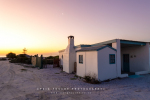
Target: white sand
[[22, 85]]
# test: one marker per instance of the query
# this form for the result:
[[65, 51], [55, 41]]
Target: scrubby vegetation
[[11, 55], [73, 78], [3, 59], [52, 57], [91, 79], [22, 58], [48, 61], [23, 70]]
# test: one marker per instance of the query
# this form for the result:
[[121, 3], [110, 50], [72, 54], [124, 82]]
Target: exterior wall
[[80, 67], [91, 63], [117, 46], [141, 61], [72, 56], [89, 66], [105, 69], [66, 62], [114, 45], [72, 60], [60, 57]]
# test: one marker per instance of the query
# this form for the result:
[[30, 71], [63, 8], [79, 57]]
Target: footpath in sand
[[22, 83]]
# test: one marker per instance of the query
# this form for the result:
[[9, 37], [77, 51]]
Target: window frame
[[80, 59], [112, 59]]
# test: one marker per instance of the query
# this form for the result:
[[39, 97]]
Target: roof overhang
[[104, 43], [122, 41], [132, 42]]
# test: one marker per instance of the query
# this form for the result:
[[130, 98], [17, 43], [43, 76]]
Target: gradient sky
[[42, 26]]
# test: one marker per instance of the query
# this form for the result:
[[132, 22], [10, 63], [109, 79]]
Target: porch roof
[[132, 42], [122, 41]]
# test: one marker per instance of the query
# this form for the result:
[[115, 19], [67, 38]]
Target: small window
[[81, 59], [62, 56], [111, 58]]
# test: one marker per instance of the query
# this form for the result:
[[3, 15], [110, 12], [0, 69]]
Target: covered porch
[[134, 57]]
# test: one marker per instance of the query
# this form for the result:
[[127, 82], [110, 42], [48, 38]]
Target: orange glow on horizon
[[46, 52]]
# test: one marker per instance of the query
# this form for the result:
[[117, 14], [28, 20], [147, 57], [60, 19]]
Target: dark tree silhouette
[[24, 51]]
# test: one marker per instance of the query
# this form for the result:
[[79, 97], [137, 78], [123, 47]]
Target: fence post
[[36, 60], [41, 67], [53, 63]]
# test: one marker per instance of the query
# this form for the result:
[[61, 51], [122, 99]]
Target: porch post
[[118, 58], [148, 45]]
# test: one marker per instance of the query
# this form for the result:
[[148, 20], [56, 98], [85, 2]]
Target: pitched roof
[[94, 48], [62, 50]]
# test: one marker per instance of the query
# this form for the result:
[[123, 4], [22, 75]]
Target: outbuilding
[[98, 62]]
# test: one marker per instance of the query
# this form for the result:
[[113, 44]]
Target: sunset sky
[[42, 26]]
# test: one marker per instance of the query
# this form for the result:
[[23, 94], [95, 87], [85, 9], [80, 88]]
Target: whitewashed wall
[[60, 57], [105, 69], [89, 66], [116, 46], [91, 63], [72, 60], [141, 61], [66, 62], [80, 67]]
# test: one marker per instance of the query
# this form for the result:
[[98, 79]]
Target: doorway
[[126, 67]]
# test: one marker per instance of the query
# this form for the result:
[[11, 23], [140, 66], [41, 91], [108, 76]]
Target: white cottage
[[107, 60]]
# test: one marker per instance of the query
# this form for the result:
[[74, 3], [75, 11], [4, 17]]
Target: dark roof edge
[[132, 40], [98, 49], [79, 46], [85, 50], [105, 47]]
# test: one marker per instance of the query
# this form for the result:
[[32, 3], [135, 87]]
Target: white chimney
[[71, 40], [69, 56], [70, 47]]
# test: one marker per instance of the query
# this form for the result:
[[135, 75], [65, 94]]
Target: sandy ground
[[44, 84]]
